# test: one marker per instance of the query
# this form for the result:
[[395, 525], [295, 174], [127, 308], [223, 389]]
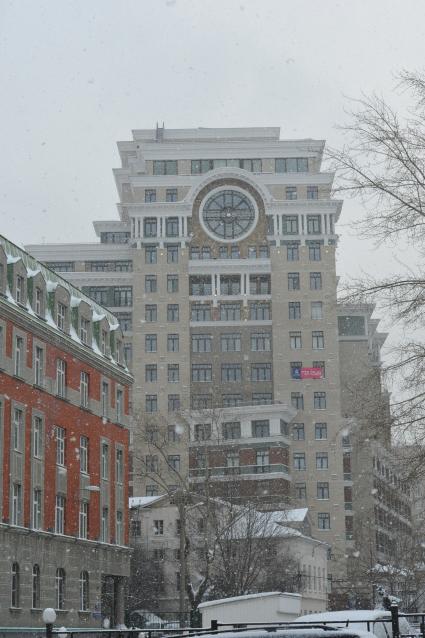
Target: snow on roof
[[343, 616], [295, 516], [143, 501], [221, 601]]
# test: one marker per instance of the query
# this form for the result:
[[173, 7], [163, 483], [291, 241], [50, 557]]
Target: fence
[[49, 631]]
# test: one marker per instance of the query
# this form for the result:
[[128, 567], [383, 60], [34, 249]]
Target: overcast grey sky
[[78, 75]]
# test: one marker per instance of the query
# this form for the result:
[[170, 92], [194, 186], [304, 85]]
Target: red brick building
[[64, 411]]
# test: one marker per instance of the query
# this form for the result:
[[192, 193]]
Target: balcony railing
[[239, 470]]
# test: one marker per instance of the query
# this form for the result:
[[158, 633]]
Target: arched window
[[15, 586], [35, 587], [60, 588], [84, 591]]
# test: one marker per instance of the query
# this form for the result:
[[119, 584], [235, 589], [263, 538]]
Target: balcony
[[241, 470]]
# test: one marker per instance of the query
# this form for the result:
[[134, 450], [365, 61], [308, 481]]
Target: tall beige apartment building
[[221, 270]]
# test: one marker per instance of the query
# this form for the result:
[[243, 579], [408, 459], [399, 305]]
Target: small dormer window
[[38, 302], [20, 290], [84, 330], [61, 316], [118, 352], [104, 341]]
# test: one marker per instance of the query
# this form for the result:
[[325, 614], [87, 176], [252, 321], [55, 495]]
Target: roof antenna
[[159, 135]]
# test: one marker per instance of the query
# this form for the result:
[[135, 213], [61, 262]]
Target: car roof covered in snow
[[343, 616]]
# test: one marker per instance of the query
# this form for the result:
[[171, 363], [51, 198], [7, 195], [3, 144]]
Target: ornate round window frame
[[216, 191]]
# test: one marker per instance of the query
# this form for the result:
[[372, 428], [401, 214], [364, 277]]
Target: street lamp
[[49, 617]]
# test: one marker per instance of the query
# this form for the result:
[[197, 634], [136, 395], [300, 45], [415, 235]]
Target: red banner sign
[[311, 373]]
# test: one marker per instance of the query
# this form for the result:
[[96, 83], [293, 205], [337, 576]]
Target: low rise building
[[64, 411]]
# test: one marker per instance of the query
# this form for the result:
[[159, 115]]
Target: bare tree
[[383, 164]]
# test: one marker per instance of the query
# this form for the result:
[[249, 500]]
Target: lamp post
[[49, 617]]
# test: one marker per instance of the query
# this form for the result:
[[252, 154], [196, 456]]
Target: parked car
[[361, 620], [288, 631]]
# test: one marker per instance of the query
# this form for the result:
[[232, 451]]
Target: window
[[300, 491], [119, 529], [291, 192], [151, 373], [60, 588], [200, 285], [315, 281], [260, 311], [231, 400], [35, 589], [172, 227], [172, 434], [298, 431], [351, 326], [84, 591], [150, 255], [314, 252], [151, 403], [104, 527], [171, 195], [291, 165], [136, 528], [84, 330], [19, 356], [150, 195], [230, 312], [60, 378], [230, 342], [105, 399], [292, 252], [173, 373], [322, 490], [17, 504], [103, 341], [322, 461], [172, 254], [319, 401], [172, 343], [312, 192], [297, 400], [119, 466], [231, 372], [150, 313], [320, 431], [201, 401], [201, 342], [37, 437], [99, 295], [174, 462], [83, 519], [321, 365], [202, 432], [316, 310], [172, 312], [173, 402], [60, 445], [104, 462], [123, 296], [61, 316], [39, 309], [261, 372], [125, 320], [20, 290], [119, 403], [324, 520], [201, 312], [38, 366], [293, 281], [194, 252], [165, 167], [18, 430], [202, 372], [158, 527], [290, 224], [230, 284], [150, 227], [151, 490], [15, 586], [262, 398], [295, 342], [150, 283], [172, 283], [299, 461], [261, 342], [150, 343], [294, 309], [259, 285], [317, 340], [84, 389], [295, 368], [260, 429], [60, 514], [314, 225], [231, 430], [84, 454]]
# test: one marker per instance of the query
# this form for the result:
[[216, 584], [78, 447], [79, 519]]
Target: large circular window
[[228, 214]]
